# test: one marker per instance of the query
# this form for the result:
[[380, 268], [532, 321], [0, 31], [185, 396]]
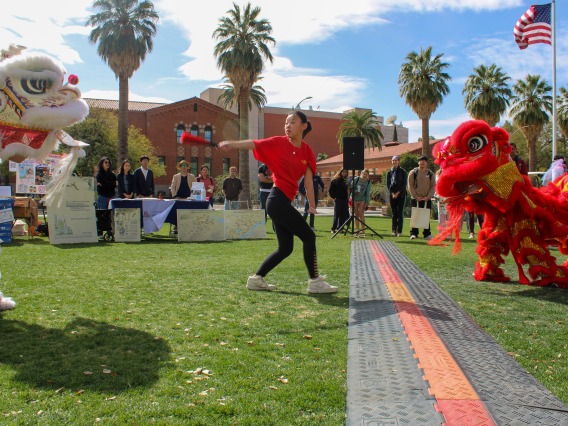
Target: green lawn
[[166, 332]]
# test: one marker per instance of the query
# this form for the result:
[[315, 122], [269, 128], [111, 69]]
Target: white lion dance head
[[35, 103]]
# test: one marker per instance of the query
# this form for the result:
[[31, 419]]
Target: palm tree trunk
[[244, 134], [122, 152], [426, 136], [532, 154]]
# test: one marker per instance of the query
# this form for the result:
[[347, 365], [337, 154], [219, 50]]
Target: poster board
[[126, 225], [201, 225], [244, 224], [32, 176], [74, 220]]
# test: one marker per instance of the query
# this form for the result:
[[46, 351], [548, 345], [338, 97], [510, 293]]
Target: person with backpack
[[422, 185], [340, 192], [209, 183], [361, 199]]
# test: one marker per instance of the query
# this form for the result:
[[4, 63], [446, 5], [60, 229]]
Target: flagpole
[[553, 21]]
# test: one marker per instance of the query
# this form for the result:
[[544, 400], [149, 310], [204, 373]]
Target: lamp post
[[298, 104]]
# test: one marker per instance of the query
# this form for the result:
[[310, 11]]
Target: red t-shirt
[[287, 162]]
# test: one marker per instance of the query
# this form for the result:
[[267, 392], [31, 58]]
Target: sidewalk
[[415, 357]]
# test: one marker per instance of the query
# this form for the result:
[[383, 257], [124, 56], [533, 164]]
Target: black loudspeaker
[[353, 153]]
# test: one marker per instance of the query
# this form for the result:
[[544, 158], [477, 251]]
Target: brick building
[[163, 124]]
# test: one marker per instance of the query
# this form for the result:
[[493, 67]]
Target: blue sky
[[343, 54]]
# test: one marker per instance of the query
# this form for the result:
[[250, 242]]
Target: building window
[[195, 107], [195, 130], [194, 165], [178, 159], [179, 130], [161, 160], [208, 134], [226, 165]]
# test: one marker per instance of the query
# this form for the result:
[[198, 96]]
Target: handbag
[[420, 217]]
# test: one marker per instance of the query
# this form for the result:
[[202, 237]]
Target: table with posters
[[155, 212]]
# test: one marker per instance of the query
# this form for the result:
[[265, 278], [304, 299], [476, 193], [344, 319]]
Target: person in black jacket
[[318, 186], [396, 183], [143, 179], [339, 191], [106, 183], [125, 180]]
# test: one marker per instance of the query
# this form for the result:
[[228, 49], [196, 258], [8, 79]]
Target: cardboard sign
[[74, 220]]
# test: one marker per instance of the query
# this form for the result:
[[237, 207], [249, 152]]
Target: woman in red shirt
[[289, 158]]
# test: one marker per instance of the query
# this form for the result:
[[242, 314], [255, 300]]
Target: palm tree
[[487, 93], [241, 50], [531, 102], [562, 111], [423, 83], [363, 124], [256, 98], [124, 30]]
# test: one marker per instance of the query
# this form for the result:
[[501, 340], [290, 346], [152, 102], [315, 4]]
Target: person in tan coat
[[422, 185], [181, 182]]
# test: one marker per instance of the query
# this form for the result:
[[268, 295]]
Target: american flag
[[534, 26]]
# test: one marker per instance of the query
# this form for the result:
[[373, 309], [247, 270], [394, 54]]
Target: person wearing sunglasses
[[106, 183], [181, 182]]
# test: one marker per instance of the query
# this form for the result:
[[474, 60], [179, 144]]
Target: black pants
[[415, 203], [471, 221], [397, 209], [306, 208], [288, 222], [340, 213], [263, 197]]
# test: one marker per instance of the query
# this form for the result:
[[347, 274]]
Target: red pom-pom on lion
[[478, 175]]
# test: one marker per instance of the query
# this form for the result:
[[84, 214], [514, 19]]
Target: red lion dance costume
[[479, 176]]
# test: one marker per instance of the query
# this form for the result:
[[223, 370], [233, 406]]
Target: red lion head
[[473, 151]]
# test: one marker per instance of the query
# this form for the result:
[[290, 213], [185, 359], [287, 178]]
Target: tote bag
[[420, 218]]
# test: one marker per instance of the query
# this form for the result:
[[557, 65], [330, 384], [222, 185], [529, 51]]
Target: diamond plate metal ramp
[[384, 382], [470, 377]]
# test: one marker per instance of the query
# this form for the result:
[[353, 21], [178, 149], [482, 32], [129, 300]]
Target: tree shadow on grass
[[86, 354]]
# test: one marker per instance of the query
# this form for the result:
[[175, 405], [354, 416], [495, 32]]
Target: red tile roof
[[375, 159], [113, 104]]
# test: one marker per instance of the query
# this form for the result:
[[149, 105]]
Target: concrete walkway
[[416, 358]]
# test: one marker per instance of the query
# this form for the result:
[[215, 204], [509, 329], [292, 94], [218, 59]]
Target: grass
[[166, 332]]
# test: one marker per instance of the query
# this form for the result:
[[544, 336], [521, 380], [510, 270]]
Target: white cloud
[[331, 91], [42, 26]]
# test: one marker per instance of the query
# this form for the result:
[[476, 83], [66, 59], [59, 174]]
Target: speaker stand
[[352, 218]]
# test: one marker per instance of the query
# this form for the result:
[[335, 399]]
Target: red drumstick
[[187, 137]]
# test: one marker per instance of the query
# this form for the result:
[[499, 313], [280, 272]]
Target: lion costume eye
[[476, 143], [35, 86]]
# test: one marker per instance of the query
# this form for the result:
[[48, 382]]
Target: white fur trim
[[56, 118], [6, 303]]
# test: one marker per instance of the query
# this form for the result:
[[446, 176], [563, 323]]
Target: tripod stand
[[351, 221]]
